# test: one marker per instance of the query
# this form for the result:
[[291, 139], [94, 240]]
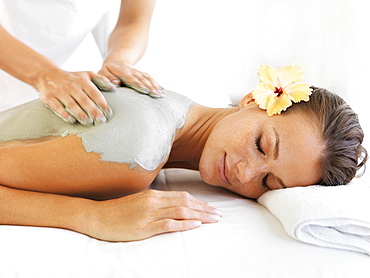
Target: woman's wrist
[[85, 217]]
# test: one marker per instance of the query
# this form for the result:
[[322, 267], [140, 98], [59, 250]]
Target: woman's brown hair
[[342, 134]]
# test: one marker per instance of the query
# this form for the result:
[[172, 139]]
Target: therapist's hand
[[73, 96], [126, 75], [148, 213]]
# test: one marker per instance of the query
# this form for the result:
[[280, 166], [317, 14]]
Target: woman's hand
[[123, 74], [73, 95], [148, 213]]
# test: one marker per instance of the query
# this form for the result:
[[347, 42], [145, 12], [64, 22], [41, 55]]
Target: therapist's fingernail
[[86, 121], [102, 85], [108, 113], [155, 95], [139, 89], [142, 90], [70, 119], [116, 82], [112, 88], [158, 92], [100, 120]]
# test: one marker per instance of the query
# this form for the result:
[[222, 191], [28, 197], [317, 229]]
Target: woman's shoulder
[[142, 129], [171, 107]]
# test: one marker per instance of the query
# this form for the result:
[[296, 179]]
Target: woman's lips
[[222, 170]]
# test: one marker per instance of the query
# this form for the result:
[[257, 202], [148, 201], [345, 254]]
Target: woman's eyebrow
[[276, 155], [277, 142]]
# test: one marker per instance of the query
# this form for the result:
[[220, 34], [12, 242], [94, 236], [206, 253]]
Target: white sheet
[[248, 242]]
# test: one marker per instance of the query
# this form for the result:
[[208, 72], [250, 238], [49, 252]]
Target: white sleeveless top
[[53, 28]]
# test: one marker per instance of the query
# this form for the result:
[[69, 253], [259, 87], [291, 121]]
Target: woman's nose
[[249, 172]]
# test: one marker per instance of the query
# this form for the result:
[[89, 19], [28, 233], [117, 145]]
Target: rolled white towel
[[337, 216]]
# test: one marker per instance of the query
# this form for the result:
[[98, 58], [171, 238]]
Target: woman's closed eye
[[259, 148], [258, 145], [264, 182]]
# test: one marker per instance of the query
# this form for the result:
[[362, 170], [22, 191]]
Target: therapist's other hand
[[125, 75], [74, 97], [145, 214]]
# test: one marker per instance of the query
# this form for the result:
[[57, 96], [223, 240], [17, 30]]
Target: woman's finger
[[181, 202], [172, 225], [185, 213]]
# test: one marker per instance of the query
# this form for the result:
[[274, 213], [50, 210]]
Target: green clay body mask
[[141, 131]]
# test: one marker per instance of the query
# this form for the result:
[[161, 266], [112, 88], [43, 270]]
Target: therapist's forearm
[[129, 39], [127, 44], [21, 61]]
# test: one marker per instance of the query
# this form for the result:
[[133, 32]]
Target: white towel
[[337, 216]]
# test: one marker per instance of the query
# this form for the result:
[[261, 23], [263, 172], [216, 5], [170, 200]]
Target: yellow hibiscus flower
[[278, 88]]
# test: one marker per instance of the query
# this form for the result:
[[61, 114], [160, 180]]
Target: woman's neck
[[190, 140]]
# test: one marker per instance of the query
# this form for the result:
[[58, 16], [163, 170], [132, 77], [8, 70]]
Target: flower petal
[[277, 104], [299, 91], [290, 74], [269, 75], [261, 94]]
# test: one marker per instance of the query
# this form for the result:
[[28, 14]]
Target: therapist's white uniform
[[53, 28]]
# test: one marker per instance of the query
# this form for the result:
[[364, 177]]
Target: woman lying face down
[[94, 180]]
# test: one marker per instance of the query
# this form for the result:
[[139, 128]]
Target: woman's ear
[[248, 98]]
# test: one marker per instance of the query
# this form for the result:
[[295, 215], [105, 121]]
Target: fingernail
[[139, 89], [72, 115], [159, 92], [103, 86], [108, 113], [155, 95], [86, 121], [69, 119], [197, 223], [218, 212], [100, 120], [142, 90], [116, 82], [214, 217]]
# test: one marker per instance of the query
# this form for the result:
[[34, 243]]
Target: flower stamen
[[278, 91]]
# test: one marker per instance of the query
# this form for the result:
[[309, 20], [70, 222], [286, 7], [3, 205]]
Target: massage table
[[249, 241]]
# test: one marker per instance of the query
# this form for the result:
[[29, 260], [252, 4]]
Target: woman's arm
[[133, 217], [55, 86], [127, 44], [62, 166]]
